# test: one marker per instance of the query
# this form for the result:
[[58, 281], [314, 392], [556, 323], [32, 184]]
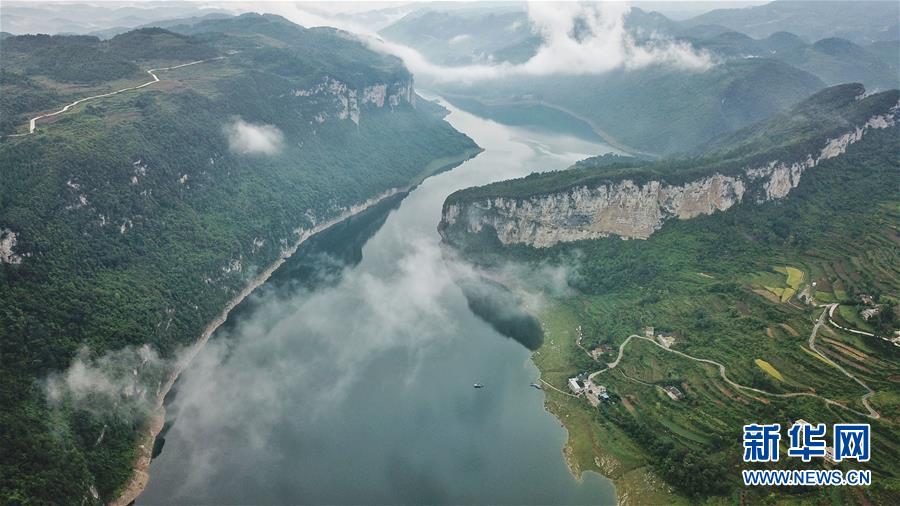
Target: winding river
[[347, 379]]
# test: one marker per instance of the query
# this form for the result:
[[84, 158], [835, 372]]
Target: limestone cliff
[[634, 208], [348, 102], [7, 243]]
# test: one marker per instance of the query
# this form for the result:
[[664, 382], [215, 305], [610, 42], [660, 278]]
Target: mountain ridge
[[141, 214], [591, 201]]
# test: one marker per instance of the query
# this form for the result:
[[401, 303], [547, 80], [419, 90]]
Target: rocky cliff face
[[348, 102], [7, 243], [631, 210]]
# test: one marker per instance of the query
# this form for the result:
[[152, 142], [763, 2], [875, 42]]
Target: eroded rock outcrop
[[7, 245], [634, 210], [349, 101]]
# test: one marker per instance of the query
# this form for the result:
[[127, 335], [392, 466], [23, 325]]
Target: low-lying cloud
[[578, 39], [250, 138], [592, 38], [323, 340], [121, 383]]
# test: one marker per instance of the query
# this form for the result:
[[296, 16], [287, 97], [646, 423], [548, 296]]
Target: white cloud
[[120, 383], [249, 138], [460, 38], [248, 371], [605, 46]]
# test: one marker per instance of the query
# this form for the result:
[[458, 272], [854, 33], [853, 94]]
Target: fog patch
[[250, 138], [459, 38], [510, 295], [578, 39], [583, 38], [320, 339], [555, 279], [122, 383]]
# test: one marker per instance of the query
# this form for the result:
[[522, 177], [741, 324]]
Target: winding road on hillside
[[812, 345], [722, 372], [832, 307], [32, 123]]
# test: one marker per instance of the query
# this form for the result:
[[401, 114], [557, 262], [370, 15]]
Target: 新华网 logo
[[849, 441]]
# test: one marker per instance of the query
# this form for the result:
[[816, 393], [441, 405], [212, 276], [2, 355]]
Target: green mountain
[[108, 33], [632, 198], [466, 36], [834, 60], [717, 315], [659, 109], [861, 22], [66, 59], [484, 35], [148, 44], [129, 222]]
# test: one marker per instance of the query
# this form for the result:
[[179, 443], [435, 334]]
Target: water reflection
[[348, 379]]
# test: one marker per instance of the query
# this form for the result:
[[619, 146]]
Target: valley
[[449, 253], [413, 331], [141, 214]]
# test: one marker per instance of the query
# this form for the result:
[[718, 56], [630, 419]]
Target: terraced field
[[767, 367], [752, 310]]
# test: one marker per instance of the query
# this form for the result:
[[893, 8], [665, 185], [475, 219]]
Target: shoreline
[[140, 469], [567, 451], [606, 137]]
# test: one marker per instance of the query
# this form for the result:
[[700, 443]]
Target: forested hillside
[[834, 60], [658, 109], [664, 109], [789, 136], [861, 22], [127, 223], [744, 288]]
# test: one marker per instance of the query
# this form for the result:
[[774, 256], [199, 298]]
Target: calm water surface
[[348, 378]]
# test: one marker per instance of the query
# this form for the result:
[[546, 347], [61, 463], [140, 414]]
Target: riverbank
[[140, 475], [582, 450], [601, 133], [591, 445]]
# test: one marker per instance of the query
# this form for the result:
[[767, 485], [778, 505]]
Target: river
[[348, 377]]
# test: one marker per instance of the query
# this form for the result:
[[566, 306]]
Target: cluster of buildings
[[872, 309], [673, 392], [829, 450], [666, 339], [583, 385]]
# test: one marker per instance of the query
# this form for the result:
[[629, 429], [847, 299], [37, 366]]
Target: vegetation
[[663, 109], [137, 220], [156, 44], [770, 370], [20, 94], [703, 279], [790, 136], [659, 109], [300, 54], [68, 59]]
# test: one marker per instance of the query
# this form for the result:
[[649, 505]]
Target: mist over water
[[348, 379]]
